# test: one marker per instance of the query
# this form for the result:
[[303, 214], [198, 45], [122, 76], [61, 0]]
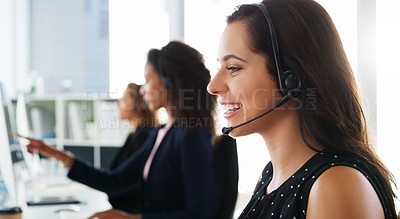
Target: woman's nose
[[217, 85]]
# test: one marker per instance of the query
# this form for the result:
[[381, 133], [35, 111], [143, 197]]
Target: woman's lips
[[231, 109]]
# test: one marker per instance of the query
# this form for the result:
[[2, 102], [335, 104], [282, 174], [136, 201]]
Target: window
[[135, 27], [388, 76], [69, 45]]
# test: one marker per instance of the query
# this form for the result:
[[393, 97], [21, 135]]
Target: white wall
[[388, 78]]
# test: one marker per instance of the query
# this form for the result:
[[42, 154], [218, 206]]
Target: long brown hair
[[310, 45]]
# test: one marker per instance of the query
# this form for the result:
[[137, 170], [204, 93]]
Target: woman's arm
[[112, 182], [343, 192]]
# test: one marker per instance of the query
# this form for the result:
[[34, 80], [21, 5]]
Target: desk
[[92, 201]]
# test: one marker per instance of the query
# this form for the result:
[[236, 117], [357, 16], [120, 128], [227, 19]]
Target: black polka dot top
[[290, 199]]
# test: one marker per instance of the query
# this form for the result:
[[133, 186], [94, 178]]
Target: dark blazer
[[129, 201], [180, 181]]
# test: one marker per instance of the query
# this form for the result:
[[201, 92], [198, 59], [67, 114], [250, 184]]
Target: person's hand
[[48, 151], [114, 214], [39, 146]]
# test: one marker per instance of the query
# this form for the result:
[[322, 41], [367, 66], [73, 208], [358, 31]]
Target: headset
[[288, 84], [287, 80], [164, 77]]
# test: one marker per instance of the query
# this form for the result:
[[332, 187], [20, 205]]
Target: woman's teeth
[[232, 107]]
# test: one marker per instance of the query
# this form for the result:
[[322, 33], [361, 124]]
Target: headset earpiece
[[290, 80], [291, 83]]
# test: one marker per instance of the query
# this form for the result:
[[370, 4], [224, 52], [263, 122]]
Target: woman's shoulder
[[182, 137], [343, 188], [343, 192]]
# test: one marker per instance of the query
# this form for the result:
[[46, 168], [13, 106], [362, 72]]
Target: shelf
[[72, 117], [77, 120]]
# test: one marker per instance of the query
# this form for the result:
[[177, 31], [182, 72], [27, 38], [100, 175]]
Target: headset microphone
[[288, 96]]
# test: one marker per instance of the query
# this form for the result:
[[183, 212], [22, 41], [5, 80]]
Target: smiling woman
[[252, 160], [313, 149]]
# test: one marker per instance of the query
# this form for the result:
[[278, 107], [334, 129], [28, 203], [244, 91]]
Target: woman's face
[[153, 91], [126, 105], [243, 84]]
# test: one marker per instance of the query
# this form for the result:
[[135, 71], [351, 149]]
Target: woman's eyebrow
[[231, 56]]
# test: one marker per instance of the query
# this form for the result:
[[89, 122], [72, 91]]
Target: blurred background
[[88, 49]]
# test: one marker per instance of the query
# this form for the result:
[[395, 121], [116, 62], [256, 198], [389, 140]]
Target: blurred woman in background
[[174, 168], [132, 108]]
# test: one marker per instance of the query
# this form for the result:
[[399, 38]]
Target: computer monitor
[[6, 143], [12, 162]]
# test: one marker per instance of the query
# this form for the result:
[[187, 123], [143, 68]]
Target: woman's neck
[[287, 149]]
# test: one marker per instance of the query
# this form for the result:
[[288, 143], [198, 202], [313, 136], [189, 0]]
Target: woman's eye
[[233, 68]]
